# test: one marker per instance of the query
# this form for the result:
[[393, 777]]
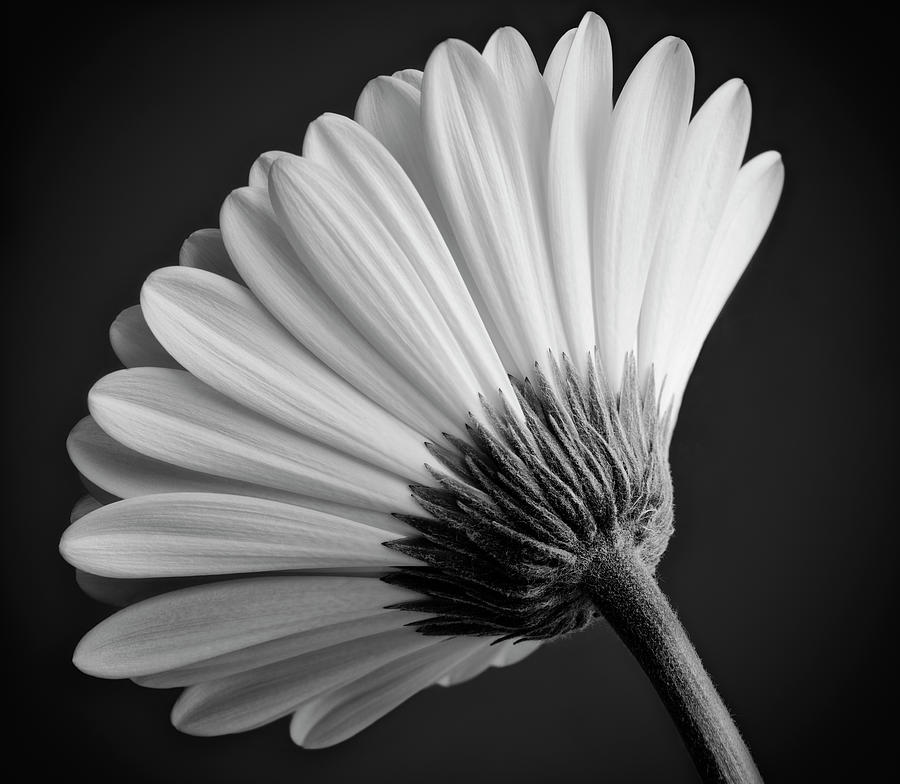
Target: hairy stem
[[625, 592]]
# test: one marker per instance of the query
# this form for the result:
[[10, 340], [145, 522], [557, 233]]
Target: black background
[[131, 123]]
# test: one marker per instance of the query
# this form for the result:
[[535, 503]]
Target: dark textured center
[[544, 489]]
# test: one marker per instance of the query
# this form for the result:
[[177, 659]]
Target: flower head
[[379, 429]]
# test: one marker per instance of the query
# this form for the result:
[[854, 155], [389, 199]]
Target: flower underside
[[524, 511]]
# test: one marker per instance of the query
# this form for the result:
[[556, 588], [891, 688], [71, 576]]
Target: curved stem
[[631, 601]]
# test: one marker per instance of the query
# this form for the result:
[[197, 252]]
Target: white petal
[[247, 700], [134, 343], [346, 148], [471, 667], [256, 657], [259, 172], [484, 183], [196, 624], [713, 150], [122, 592], [171, 416], [501, 654], [124, 473], [205, 250], [530, 110], [190, 534], [342, 713], [649, 122], [219, 331], [363, 267], [275, 274], [514, 652], [411, 76], [390, 110], [528, 101], [557, 61], [85, 505], [747, 215], [578, 143]]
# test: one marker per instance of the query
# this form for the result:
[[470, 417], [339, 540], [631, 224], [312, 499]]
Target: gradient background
[[130, 126]]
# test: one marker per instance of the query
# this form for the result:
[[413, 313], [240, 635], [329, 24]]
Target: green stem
[[632, 603]]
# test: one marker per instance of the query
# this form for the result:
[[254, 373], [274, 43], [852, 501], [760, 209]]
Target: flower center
[[546, 487]]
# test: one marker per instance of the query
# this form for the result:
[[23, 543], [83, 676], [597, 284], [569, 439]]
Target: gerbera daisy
[[405, 415]]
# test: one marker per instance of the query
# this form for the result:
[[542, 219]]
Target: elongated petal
[[205, 250], [120, 592], [134, 343], [648, 127], [189, 534], [285, 287], [553, 71], [171, 416], [578, 143], [530, 111], [219, 331], [528, 102], [485, 187], [713, 150], [124, 473], [196, 624], [367, 624], [342, 713], [747, 215], [346, 148], [358, 259], [248, 700], [390, 109]]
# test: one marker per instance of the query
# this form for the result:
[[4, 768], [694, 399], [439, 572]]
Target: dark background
[[131, 123]]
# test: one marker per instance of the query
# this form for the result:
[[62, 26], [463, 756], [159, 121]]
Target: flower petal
[[248, 700], [411, 76], [346, 148], [285, 287], [514, 652], [122, 592], [123, 473], [259, 656], [219, 331], [198, 623], [501, 654], [205, 250], [553, 71], [171, 416], [528, 101], [191, 534], [488, 194], [342, 713], [354, 255], [578, 143], [259, 172], [747, 215], [134, 343], [471, 667], [648, 126], [713, 150], [83, 506], [390, 110]]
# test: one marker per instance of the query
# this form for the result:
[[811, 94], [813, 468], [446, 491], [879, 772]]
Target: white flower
[[357, 304]]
